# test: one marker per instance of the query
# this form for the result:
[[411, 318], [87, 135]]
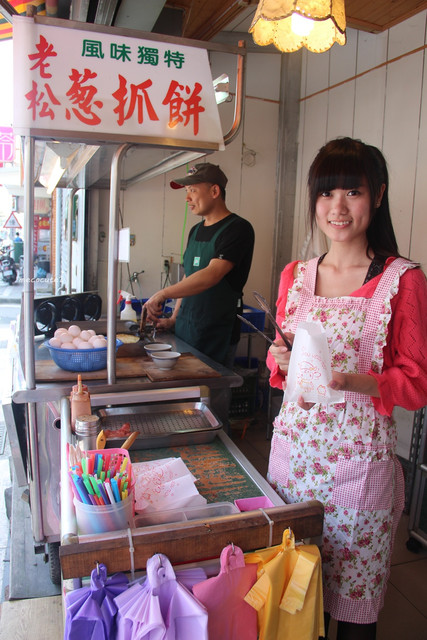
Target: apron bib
[[206, 320], [344, 454]]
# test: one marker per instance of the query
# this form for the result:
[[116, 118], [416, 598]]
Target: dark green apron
[[206, 320]]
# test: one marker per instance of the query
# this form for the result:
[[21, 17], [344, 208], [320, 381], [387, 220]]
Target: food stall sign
[[71, 83]]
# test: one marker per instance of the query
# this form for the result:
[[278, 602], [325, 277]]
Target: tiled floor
[[405, 609]]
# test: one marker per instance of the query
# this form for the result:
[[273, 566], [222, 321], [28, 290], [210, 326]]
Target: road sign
[[12, 222]]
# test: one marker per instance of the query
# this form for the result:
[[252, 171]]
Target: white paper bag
[[310, 367], [164, 484]]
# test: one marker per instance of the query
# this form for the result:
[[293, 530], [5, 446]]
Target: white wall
[[375, 89]]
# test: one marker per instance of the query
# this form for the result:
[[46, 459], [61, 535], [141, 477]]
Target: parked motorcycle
[[8, 269]]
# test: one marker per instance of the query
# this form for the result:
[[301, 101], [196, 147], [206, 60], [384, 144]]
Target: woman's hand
[[281, 353], [356, 382]]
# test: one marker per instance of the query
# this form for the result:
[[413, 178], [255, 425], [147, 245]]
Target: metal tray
[[163, 425]]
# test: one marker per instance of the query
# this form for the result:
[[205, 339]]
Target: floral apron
[[344, 454]]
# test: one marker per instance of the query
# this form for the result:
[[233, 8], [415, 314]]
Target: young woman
[[373, 306]]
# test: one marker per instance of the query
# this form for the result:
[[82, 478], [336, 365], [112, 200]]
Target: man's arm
[[189, 286]]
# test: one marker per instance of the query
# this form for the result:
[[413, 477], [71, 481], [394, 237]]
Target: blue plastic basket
[[255, 316], [80, 359]]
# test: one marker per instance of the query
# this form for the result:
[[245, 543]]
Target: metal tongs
[[264, 306], [255, 329]]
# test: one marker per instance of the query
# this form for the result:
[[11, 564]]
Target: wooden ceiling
[[203, 19]]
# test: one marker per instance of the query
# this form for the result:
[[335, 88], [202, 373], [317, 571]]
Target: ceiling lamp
[[292, 24]]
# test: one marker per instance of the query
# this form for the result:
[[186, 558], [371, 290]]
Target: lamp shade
[[323, 23]]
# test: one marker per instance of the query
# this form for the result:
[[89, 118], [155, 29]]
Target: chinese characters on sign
[[113, 84]]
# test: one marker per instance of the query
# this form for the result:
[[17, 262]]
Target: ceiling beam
[[7, 10]]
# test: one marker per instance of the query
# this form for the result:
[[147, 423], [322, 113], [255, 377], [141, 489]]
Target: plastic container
[[212, 510], [251, 504], [86, 429], [80, 359], [100, 519]]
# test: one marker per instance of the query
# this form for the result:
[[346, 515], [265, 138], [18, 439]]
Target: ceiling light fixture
[[292, 24]]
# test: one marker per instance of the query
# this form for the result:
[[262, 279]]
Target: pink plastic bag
[[230, 617]]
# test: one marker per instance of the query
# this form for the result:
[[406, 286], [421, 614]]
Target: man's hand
[[154, 306], [165, 324]]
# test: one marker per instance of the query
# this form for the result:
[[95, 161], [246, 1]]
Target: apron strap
[[307, 293], [375, 309]]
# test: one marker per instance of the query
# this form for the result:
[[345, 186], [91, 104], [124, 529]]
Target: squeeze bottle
[[128, 312], [80, 401]]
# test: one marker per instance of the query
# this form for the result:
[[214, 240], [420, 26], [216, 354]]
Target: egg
[[55, 342], [92, 332], [85, 335], [99, 343], [77, 341], [66, 337], [74, 330], [85, 345], [59, 331], [68, 345], [91, 339]]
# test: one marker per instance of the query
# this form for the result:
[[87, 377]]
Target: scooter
[[8, 269]]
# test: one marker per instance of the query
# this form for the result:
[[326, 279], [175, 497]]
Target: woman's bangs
[[339, 172]]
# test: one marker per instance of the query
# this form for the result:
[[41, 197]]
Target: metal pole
[[28, 289], [29, 368], [58, 235], [70, 240], [113, 251]]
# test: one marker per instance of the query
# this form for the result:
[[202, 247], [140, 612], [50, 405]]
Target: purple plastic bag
[[91, 611], [161, 608]]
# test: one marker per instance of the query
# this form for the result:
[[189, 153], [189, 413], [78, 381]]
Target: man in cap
[[217, 261]]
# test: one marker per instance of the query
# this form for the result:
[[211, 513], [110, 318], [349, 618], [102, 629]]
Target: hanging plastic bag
[[230, 617], [288, 594], [91, 611], [139, 615], [185, 617], [161, 608]]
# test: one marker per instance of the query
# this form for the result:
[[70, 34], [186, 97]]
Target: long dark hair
[[345, 163]]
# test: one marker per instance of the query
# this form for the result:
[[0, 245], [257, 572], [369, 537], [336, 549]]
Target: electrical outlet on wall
[[166, 264]]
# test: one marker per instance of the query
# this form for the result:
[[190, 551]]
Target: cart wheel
[[413, 545], [54, 564]]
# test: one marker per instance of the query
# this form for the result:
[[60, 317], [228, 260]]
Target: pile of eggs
[[74, 338]]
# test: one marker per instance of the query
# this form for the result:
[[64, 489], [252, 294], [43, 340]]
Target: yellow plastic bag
[[288, 594]]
